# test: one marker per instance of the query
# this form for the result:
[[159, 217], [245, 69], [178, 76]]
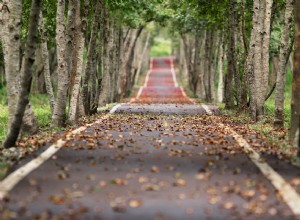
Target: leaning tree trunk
[[45, 57], [295, 107], [10, 34], [26, 76], [283, 58]]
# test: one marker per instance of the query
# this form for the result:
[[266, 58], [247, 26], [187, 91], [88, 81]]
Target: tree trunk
[[10, 34], [212, 52], [45, 57], [221, 58], [26, 76], [90, 68], [283, 58], [207, 66], [81, 26], [127, 53], [11, 45], [295, 105], [261, 56], [104, 95], [58, 116], [139, 69]]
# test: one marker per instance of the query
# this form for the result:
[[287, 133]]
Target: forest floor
[[160, 155]]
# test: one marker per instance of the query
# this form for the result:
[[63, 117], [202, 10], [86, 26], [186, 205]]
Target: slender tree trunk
[[81, 26], [45, 57], [104, 95], [142, 57], [70, 34], [221, 82], [58, 116], [207, 66], [11, 45], [126, 61], [118, 46], [196, 67], [90, 68], [295, 106], [283, 58], [212, 52], [261, 56], [26, 76]]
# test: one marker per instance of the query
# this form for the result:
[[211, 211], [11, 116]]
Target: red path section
[[160, 84]]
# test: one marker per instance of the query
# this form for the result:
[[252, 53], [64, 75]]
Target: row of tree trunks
[[198, 62], [113, 61]]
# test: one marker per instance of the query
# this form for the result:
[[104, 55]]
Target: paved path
[[160, 156]]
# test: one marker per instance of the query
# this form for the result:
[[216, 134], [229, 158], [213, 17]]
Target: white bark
[[11, 39], [63, 78], [72, 119], [261, 54], [221, 82]]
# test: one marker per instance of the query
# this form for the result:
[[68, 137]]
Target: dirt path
[[160, 156]]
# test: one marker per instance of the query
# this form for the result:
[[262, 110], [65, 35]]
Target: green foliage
[[161, 47], [49, 15], [140, 12]]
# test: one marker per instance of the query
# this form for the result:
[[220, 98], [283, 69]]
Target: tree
[[26, 76], [295, 118], [285, 50]]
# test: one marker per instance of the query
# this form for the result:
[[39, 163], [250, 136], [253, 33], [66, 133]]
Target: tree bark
[[90, 67], [106, 82], [45, 57], [295, 105], [221, 82], [26, 76], [261, 55], [283, 58], [127, 53], [11, 44], [81, 26], [11, 27], [58, 116]]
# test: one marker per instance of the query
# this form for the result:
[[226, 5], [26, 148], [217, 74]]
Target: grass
[[40, 107], [161, 47]]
